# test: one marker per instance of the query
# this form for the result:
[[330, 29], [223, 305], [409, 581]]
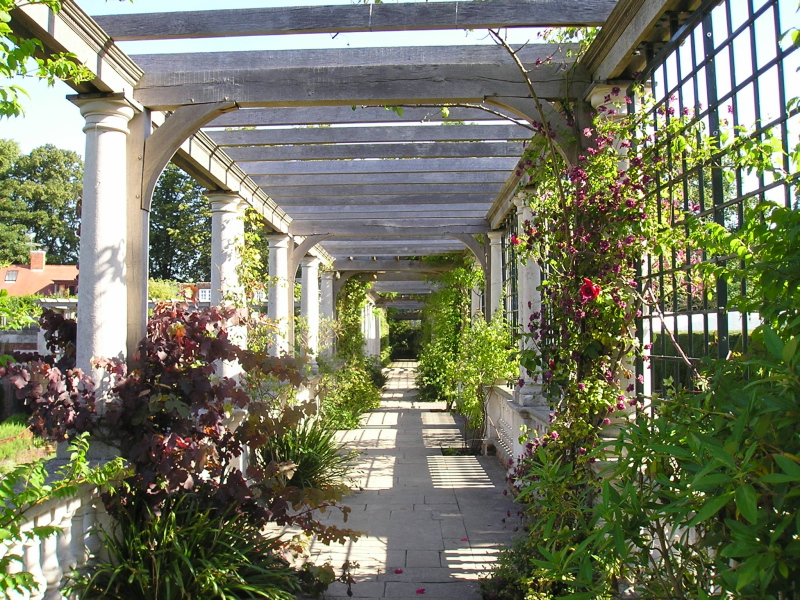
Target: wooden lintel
[[355, 18], [358, 135]]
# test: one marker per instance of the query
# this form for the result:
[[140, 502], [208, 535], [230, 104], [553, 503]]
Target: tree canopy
[[40, 196], [180, 229]]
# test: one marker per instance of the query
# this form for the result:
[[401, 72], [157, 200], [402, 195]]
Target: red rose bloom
[[589, 291]]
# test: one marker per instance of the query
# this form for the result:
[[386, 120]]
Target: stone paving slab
[[440, 520]]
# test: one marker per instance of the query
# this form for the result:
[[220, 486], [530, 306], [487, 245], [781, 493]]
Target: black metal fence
[[732, 67]]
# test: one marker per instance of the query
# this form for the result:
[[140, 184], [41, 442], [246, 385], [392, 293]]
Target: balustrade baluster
[[31, 562], [51, 569]]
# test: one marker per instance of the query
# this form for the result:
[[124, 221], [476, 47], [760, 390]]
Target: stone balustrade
[[53, 559], [504, 421]]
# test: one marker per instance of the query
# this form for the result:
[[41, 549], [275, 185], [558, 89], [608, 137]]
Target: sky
[[51, 119]]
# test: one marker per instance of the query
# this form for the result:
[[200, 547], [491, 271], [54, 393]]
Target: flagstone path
[[433, 522]]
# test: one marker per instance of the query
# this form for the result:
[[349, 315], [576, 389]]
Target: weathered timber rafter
[[372, 17], [373, 76]]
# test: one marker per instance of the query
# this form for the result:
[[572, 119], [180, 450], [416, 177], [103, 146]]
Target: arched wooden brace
[[302, 249], [477, 248], [164, 142], [566, 141], [340, 281]]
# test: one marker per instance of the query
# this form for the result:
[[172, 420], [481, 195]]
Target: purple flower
[[606, 421]]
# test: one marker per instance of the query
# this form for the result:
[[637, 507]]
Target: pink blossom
[[398, 571], [421, 591]]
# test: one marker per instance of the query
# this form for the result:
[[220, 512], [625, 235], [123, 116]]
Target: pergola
[[305, 138]]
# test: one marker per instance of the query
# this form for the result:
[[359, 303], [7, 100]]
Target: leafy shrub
[[17, 443], [163, 289], [320, 461], [28, 486], [346, 393], [188, 550]]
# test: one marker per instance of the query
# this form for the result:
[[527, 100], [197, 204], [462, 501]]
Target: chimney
[[37, 260]]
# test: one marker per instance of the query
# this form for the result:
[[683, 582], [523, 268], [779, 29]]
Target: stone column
[[227, 231], [280, 297], [102, 290], [609, 102], [529, 277], [309, 306], [495, 283], [327, 312]]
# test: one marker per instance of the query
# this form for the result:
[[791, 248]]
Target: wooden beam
[[329, 115], [407, 165], [417, 249], [378, 227], [373, 17], [359, 135], [356, 179], [305, 191], [393, 212], [389, 266], [356, 151], [628, 25], [350, 211], [374, 76], [365, 201]]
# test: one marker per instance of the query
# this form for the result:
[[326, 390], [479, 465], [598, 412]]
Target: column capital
[[328, 275], [278, 240], [109, 114], [605, 98], [310, 261], [495, 236], [222, 201]]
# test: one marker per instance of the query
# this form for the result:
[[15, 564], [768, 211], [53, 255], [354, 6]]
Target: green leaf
[[790, 349], [711, 508], [747, 502], [788, 466], [773, 342]]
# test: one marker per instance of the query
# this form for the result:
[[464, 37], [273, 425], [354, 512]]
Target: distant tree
[[39, 195], [13, 238], [180, 229]]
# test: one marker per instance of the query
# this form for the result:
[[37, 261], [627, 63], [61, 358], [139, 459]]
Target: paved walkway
[[434, 522]]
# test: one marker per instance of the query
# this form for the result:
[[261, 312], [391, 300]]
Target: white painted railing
[[52, 560], [505, 419]]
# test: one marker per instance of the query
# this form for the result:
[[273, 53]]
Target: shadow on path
[[438, 519]]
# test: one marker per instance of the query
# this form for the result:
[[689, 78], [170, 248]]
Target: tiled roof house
[[39, 278]]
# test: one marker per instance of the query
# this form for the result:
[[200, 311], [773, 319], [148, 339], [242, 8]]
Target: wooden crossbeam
[[379, 178], [278, 192], [355, 18], [356, 151], [354, 135], [328, 115], [349, 210], [406, 199], [408, 165], [373, 76], [379, 227]]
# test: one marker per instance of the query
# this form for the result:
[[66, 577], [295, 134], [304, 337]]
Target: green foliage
[[319, 461], [346, 392], [180, 229], [484, 358], [39, 195], [188, 550], [253, 267], [18, 311], [17, 443], [21, 57], [349, 384], [404, 336], [29, 486], [163, 289]]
